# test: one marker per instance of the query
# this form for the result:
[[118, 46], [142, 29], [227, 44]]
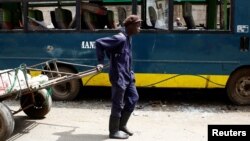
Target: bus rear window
[[212, 15]]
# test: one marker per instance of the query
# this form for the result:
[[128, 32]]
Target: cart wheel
[[238, 87], [68, 90], [7, 122], [41, 105]]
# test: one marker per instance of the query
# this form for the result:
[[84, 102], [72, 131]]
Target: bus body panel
[[200, 59], [154, 55]]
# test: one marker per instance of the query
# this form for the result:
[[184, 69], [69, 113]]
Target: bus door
[[155, 21], [191, 38], [145, 44], [203, 30]]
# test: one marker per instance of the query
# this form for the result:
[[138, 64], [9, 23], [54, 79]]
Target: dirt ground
[[179, 116]]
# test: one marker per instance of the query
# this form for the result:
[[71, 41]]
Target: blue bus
[[182, 44]]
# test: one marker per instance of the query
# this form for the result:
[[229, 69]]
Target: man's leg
[[131, 97], [117, 106]]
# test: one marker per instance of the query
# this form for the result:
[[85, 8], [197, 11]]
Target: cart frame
[[35, 100]]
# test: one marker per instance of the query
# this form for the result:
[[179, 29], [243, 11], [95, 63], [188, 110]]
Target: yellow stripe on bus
[[164, 80], [35, 73], [160, 80]]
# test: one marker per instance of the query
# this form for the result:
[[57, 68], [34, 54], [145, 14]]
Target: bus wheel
[[39, 107], [7, 122], [68, 90], [238, 87]]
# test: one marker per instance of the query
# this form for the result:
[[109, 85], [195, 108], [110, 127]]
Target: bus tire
[[66, 91], [40, 107], [238, 87], [7, 122]]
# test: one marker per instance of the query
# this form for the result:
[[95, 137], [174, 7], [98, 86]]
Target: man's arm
[[108, 44]]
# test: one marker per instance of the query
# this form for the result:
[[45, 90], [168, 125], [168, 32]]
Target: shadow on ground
[[198, 96], [206, 100], [68, 136], [22, 126]]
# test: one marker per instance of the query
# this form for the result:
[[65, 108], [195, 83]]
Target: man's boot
[[123, 123], [114, 132]]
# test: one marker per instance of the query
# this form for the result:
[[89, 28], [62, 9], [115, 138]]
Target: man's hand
[[99, 67]]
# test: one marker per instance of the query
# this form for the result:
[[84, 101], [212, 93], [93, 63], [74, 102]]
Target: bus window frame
[[230, 31], [143, 15], [26, 20], [133, 4], [171, 20], [25, 7]]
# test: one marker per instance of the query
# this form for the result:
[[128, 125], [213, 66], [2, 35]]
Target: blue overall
[[119, 50]]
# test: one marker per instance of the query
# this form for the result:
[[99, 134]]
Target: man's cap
[[131, 20]]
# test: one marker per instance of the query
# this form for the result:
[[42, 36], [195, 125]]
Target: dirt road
[[158, 119]]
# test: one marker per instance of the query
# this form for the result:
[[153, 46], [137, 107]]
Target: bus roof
[[105, 1], [140, 0], [190, 0], [110, 1], [119, 0]]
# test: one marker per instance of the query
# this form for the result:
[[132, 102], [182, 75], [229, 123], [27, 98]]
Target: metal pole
[[224, 15], [211, 14], [134, 7]]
